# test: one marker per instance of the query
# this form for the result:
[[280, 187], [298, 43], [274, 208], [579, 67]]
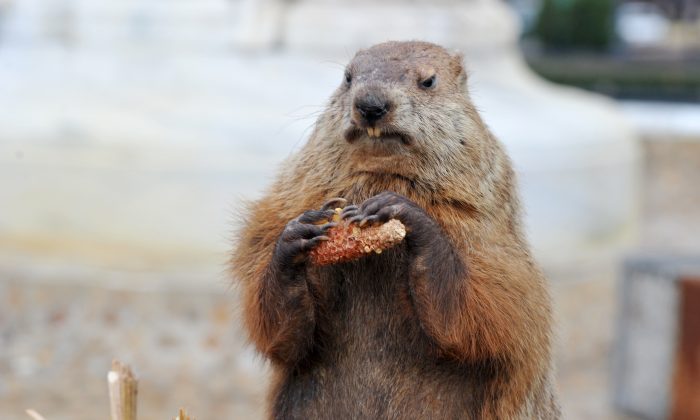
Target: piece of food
[[348, 241]]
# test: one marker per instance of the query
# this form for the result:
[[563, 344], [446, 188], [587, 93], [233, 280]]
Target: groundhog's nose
[[371, 108]]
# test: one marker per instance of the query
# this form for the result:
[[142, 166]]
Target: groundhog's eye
[[348, 77], [429, 83]]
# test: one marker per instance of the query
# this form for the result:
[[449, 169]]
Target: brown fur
[[461, 329]]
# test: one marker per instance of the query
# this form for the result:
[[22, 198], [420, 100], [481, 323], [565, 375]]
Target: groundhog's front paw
[[386, 206], [303, 233]]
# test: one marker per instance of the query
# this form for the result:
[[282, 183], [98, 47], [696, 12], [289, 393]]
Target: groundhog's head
[[403, 109]]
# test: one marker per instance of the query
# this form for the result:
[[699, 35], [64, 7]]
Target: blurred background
[[132, 131]]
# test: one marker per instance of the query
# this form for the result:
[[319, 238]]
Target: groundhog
[[453, 323]]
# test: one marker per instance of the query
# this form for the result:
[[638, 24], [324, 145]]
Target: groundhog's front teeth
[[374, 131]]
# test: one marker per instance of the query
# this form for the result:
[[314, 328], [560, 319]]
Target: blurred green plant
[[622, 77], [576, 24]]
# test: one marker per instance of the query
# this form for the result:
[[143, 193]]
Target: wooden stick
[[685, 404], [123, 389]]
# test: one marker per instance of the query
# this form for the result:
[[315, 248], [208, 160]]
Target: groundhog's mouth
[[377, 134]]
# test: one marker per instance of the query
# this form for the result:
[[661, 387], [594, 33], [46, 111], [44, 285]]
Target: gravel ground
[[58, 340]]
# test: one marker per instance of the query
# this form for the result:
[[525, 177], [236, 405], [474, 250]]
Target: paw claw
[[349, 209], [310, 243], [369, 219], [346, 215], [328, 226]]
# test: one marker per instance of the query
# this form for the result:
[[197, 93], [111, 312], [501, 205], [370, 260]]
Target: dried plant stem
[[34, 415], [182, 416], [123, 389]]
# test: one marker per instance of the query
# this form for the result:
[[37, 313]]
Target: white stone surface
[[480, 27], [124, 25], [650, 330], [664, 120], [144, 158]]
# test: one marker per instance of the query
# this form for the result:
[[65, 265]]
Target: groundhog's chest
[[370, 316], [371, 357]]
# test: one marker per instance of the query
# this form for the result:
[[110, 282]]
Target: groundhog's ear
[[459, 69]]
